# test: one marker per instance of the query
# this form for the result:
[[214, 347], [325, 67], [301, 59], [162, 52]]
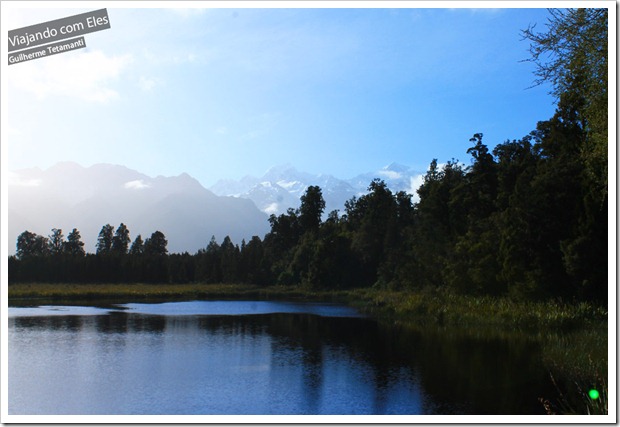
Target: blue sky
[[223, 93]]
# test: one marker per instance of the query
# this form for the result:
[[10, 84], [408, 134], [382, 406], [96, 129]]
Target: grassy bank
[[430, 307], [36, 293], [445, 308]]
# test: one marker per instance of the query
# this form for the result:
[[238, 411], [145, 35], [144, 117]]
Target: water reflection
[[280, 363]]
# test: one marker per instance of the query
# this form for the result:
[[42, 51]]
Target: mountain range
[[282, 186], [68, 196]]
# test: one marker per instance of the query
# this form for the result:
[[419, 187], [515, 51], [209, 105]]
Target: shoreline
[[421, 307], [573, 337]]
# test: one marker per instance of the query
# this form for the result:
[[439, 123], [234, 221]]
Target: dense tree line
[[527, 219], [54, 259]]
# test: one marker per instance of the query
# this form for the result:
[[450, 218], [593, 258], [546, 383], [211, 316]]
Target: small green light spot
[[593, 394]]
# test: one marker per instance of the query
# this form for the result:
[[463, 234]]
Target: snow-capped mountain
[[282, 186], [68, 196]]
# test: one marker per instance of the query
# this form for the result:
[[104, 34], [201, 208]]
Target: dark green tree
[[473, 199], [285, 230], [230, 261], [56, 242], [105, 239], [137, 247], [331, 263], [121, 240], [438, 222], [572, 55], [280, 243], [31, 245], [472, 266], [543, 211], [311, 209], [154, 263], [373, 227], [74, 245], [180, 268], [393, 272], [514, 160], [156, 244], [253, 260], [208, 263]]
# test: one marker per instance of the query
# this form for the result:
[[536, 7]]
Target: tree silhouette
[[74, 245], [104, 241], [156, 244], [572, 55], [31, 244], [121, 240], [311, 209], [137, 247], [56, 242]]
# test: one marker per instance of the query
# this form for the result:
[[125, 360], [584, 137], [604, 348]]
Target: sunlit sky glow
[[223, 93]]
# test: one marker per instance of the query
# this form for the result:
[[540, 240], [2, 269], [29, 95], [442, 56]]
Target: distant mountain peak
[[278, 169], [66, 165], [396, 167]]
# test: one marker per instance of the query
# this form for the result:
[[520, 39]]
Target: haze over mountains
[[68, 196]]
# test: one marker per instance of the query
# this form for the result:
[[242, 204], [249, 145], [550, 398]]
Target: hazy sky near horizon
[[223, 93]]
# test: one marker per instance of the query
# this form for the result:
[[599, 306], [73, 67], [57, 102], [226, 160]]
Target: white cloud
[[16, 179], [271, 209], [288, 184], [390, 174], [147, 84], [82, 75], [136, 185], [414, 183], [179, 56]]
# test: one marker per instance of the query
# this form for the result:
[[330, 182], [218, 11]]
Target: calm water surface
[[257, 357]]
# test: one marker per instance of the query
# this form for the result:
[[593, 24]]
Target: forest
[[527, 219]]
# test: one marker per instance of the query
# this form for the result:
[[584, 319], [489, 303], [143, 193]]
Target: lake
[[259, 357]]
